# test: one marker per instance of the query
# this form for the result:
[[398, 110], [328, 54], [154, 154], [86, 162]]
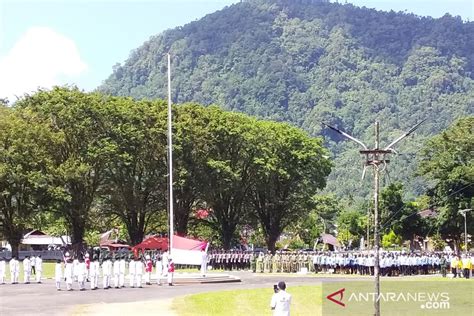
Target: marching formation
[[113, 270], [392, 263], [110, 271]]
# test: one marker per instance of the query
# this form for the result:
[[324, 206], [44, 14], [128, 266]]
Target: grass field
[[306, 300], [311, 300]]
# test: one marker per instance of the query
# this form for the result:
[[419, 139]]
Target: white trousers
[[14, 277], [170, 277], [121, 280], [39, 274], [138, 280], [116, 280], [105, 281], [93, 281], [131, 278], [26, 277]]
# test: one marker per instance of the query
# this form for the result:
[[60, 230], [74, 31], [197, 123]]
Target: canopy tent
[[154, 243], [185, 250]]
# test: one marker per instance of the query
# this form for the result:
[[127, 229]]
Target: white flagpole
[[170, 158]]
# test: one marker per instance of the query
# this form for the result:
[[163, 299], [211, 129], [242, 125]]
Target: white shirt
[[39, 264], [27, 265], [58, 272], [281, 303]]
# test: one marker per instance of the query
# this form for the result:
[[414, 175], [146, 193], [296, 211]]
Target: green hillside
[[309, 61]]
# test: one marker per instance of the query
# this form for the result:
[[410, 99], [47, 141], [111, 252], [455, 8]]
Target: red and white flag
[[187, 251]]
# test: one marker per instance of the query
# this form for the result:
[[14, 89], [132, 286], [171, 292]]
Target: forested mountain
[[310, 61]]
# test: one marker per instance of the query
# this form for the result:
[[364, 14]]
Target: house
[[38, 240]]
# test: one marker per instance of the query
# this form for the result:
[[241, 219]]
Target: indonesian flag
[[187, 251]]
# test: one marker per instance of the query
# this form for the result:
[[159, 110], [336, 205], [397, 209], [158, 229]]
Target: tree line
[[87, 159], [85, 162]]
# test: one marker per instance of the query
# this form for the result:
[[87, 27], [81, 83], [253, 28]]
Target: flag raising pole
[[170, 159]]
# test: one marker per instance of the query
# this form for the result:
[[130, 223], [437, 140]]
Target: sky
[[54, 42]]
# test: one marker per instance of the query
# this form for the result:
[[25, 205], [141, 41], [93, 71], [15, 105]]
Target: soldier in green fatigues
[[266, 263], [443, 263], [274, 263], [260, 263], [293, 263], [253, 263]]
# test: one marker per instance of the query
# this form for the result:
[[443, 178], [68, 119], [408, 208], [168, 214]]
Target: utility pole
[[377, 159]]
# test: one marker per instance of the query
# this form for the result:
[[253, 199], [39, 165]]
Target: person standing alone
[[281, 301]]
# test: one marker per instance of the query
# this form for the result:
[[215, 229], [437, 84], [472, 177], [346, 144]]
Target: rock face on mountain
[[311, 61]]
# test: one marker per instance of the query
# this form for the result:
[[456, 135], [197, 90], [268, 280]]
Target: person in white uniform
[[58, 274], [26, 270], [131, 272], [138, 272], [159, 270], [14, 270], [39, 268], [3, 267], [94, 272], [81, 274], [106, 273], [116, 272], [281, 301], [69, 274], [122, 267], [203, 262], [164, 261]]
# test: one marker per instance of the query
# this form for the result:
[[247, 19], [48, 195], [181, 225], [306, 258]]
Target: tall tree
[[289, 169], [25, 171], [227, 175], [135, 172], [448, 161], [191, 144], [80, 156]]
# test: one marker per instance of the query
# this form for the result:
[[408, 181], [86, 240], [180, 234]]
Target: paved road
[[43, 299]]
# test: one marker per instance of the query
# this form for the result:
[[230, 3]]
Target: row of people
[[14, 267], [113, 271]]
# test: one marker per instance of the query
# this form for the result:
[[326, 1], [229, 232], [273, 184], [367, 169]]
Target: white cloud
[[40, 58]]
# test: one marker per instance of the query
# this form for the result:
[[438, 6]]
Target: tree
[[350, 227], [289, 169], [447, 160], [80, 155], [191, 146], [391, 240], [135, 186], [227, 175], [25, 171]]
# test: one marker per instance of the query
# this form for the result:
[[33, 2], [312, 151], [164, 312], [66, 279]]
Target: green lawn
[[306, 300], [311, 300]]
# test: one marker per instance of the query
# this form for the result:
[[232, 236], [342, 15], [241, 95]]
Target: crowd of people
[[392, 263], [113, 268]]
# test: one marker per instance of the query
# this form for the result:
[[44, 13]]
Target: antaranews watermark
[[398, 298]]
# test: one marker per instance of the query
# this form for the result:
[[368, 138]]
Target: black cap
[[282, 285]]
